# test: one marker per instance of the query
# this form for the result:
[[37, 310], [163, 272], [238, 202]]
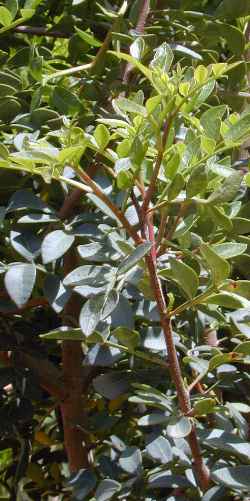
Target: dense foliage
[[125, 250]]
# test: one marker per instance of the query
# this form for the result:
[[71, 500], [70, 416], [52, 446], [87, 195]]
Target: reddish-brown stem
[[116, 211], [140, 26], [72, 408], [157, 166], [162, 228], [201, 469]]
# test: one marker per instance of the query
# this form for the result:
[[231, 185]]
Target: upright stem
[[201, 469], [140, 26], [72, 408], [157, 166]]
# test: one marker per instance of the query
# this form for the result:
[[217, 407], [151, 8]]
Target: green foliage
[[75, 127]]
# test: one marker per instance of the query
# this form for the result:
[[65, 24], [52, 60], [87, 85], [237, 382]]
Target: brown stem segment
[[143, 14], [201, 469], [72, 408], [116, 211], [153, 181]]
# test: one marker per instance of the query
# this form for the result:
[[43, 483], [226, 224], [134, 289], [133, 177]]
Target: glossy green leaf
[[102, 136], [229, 249], [185, 277], [204, 406], [227, 191], [163, 58], [219, 267], [211, 120], [228, 300], [88, 38], [197, 182], [243, 348], [239, 130], [175, 186], [5, 16], [64, 334]]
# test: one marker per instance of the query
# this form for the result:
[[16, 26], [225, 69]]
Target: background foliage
[[86, 90]]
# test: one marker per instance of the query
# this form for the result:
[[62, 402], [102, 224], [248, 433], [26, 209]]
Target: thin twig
[[116, 211]]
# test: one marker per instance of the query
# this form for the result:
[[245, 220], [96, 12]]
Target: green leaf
[[241, 287], [228, 300], [134, 62], [137, 48], [65, 101], [204, 406], [232, 10], [127, 337], [134, 258], [102, 136], [211, 120], [12, 6], [241, 226], [129, 106], [234, 477], [88, 38], [185, 277], [229, 249], [64, 334], [55, 245], [163, 58], [221, 359], [219, 267], [200, 74], [243, 348], [220, 218], [197, 182], [5, 17], [227, 191], [175, 186], [239, 130], [179, 427], [19, 282]]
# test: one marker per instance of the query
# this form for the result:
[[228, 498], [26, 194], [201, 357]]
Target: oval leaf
[[19, 282], [55, 244]]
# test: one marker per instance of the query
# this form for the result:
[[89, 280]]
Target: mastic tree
[[125, 250]]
